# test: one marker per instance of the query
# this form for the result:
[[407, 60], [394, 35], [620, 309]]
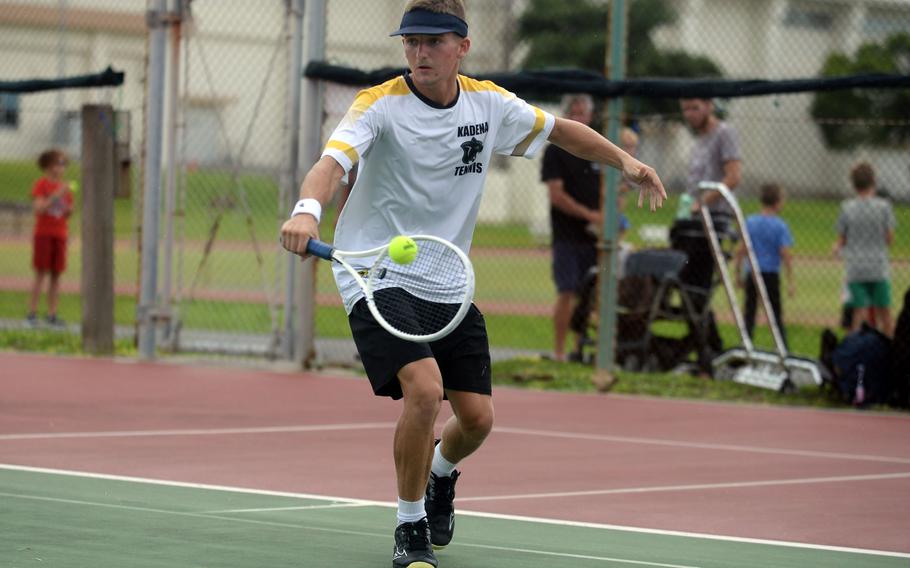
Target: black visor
[[420, 21]]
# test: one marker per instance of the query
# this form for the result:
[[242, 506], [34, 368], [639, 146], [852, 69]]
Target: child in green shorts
[[865, 230]]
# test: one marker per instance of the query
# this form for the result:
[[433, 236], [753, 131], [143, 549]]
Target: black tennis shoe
[[412, 546], [440, 509]]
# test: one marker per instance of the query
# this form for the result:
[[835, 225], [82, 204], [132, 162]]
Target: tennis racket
[[421, 301]]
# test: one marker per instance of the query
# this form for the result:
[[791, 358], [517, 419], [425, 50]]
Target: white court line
[[198, 431], [310, 527], [504, 430], [567, 555], [693, 487], [539, 520], [700, 445], [300, 508]]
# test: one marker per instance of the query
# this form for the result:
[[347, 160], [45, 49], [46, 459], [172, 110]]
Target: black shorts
[[571, 263], [463, 355]]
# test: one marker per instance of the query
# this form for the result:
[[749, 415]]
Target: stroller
[[656, 285], [677, 284]]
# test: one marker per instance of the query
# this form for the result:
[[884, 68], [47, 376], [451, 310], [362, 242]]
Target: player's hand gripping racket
[[421, 300]]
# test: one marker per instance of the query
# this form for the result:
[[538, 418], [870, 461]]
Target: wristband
[[310, 206]]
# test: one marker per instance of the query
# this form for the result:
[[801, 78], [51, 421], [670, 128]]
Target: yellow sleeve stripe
[[368, 97], [348, 150], [539, 123], [473, 85], [362, 102]]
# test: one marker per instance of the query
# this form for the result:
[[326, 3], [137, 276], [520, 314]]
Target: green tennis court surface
[[71, 520]]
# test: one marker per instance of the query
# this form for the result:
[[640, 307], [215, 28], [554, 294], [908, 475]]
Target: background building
[[786, 39]]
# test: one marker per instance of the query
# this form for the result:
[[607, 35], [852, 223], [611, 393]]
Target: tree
[[865, 116], [573, 33]]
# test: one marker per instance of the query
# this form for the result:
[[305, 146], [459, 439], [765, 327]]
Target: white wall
[[232, 42]]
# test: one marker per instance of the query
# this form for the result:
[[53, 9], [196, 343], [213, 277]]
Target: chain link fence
[[226, 277], [47, 39], [783, 140], [223, 275]]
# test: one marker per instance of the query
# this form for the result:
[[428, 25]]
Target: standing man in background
[[574, 186], [715, 156]]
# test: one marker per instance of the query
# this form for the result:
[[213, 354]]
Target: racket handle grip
[[320, 249]]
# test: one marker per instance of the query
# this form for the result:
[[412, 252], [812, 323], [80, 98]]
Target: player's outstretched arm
[[582, 141], [319, 184]]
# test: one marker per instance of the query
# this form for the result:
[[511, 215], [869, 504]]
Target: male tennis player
[[424, 142]]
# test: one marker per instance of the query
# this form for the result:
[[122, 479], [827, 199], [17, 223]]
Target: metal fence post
[[606, 340], [311, 144], [292, 174], [152, 186], [170, 195]]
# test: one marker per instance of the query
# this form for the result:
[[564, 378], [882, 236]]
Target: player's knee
[[477, 424], [425, 398]]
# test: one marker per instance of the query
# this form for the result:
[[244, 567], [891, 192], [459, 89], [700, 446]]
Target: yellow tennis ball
[[74, 186], [403, 250]]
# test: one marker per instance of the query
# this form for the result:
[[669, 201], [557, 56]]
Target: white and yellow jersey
[[421, 165]]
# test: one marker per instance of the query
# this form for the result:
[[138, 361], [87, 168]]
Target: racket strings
[[409, 314], [422, 297]]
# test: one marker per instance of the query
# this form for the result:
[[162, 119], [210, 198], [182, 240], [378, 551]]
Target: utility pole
[[98, 171]]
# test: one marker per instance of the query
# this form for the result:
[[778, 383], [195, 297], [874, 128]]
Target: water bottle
[[859, 395], [684, 209]]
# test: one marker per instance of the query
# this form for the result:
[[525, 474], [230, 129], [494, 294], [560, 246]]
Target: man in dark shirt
[[574, 186]]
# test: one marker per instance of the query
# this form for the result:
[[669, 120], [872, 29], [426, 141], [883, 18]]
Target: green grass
[[222, 316], [811, 221], [213, 196], [54, 342], [14, 305], [533, 333], [549, 375], [17, 178], [522, 279], [802, 339]]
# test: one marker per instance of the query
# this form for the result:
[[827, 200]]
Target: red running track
[[820, 477]]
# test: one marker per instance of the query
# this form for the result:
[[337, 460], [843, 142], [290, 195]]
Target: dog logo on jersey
[[470, 149]]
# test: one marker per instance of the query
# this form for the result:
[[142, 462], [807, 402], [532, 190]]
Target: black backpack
[[861, 366], [900, 357]]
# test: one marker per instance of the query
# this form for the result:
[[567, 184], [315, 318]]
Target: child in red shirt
[[52, 200]]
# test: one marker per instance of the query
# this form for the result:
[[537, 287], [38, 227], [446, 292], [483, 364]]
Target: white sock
[[441, 467], [410, 511]]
